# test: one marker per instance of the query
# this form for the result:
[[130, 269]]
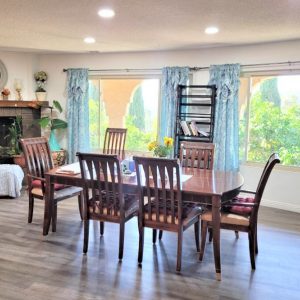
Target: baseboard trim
[[281, 205]]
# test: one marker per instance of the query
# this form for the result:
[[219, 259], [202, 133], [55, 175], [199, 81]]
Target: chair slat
[[197, 155], [114, 141]]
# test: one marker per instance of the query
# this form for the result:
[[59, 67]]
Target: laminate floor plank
[[53, 267]]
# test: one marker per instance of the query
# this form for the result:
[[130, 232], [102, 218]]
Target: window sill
[[278, 167]]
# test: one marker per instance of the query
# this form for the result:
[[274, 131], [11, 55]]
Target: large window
[[124, 103], [270, 118]]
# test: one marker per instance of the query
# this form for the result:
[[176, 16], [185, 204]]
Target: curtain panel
[[77, 112], [226, 129], [171, 78]]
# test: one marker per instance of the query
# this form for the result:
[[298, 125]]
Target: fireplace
[[30, 111], [5, 147], [5, 123]]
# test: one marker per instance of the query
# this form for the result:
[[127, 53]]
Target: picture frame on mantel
[[3, 75]]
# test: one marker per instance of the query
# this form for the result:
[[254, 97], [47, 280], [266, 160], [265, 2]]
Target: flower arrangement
[[40, 79], [5, 92], [161, 150]]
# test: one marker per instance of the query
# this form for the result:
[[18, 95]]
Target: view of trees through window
[[124, 103], [270, 118]]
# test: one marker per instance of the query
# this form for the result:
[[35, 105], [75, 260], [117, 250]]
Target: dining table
[[208, 187]]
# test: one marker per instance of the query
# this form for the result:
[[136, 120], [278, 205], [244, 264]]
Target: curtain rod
[[132, 70], [196, 68]]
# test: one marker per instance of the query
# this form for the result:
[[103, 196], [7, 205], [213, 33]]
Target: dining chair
[[39, 160], [194, 155], [197, 155], [162, 207], [104, 197], [114, 141], [240, 214]]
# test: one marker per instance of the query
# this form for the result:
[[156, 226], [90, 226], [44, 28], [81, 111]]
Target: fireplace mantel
[[30, 104]]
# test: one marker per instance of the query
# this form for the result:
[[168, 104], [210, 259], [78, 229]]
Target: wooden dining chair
[[194, 155], [240, 214], [38, 161], [114, 141], [163, 207], [104, 197], [197, 155]]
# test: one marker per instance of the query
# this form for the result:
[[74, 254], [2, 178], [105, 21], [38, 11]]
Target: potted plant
[[15, 133], [53, 123], [40, 79]]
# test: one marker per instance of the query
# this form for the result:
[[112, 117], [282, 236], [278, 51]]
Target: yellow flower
[[168, 141], [152, 145]]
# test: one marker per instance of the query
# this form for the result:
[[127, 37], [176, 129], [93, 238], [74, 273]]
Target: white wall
[[282, 189], [20, 66], [272, 52]]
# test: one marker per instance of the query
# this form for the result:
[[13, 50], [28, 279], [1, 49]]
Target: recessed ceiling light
[[211, 30], [89, 40], [106, 13]]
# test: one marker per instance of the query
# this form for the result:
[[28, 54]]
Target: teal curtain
[[77, 112], [227, 80], [171, 78]]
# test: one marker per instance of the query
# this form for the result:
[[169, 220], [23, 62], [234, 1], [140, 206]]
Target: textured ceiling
[[144, 25]]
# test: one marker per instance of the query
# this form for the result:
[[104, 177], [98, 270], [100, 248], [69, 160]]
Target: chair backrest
[[159, 180], [272, 161], [197, 155], [103, 183], [114, 141], [37, 156]]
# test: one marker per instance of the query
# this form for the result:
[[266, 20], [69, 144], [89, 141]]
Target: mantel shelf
[[25, 103]]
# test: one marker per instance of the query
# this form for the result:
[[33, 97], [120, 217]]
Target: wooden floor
[[53, 267]]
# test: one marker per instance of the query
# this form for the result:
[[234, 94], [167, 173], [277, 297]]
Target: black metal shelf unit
[[196, 105]]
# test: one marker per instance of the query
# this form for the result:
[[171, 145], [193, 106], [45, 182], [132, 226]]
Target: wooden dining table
[[210, 187]]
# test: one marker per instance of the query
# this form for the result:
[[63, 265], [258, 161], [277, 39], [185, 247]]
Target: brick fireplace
[[30, 111]]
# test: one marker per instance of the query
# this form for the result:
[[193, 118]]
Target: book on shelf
[[194, 128], [185, 128], [201, 132]]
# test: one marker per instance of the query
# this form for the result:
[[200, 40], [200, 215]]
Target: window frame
[[256, 73], [142, 74]]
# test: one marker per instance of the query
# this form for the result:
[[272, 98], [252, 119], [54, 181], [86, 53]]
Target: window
[[125, 103], [270, 118]]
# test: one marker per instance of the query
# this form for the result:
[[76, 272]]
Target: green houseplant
[[53, 123], [14, 135]]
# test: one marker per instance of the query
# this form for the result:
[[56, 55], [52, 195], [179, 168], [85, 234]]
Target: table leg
[[49, 191], [216, 204]]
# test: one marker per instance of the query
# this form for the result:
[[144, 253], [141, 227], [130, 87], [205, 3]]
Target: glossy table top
[[194, 181]]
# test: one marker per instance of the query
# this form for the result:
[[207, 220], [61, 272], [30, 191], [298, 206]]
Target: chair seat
[[38, 184], [227, 218], [189, 211], [59, 194], [237, 209], [130, 207]]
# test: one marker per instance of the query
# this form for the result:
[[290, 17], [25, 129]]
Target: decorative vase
[[41, 96], [5, 97], [59, 157], [53, 143]]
